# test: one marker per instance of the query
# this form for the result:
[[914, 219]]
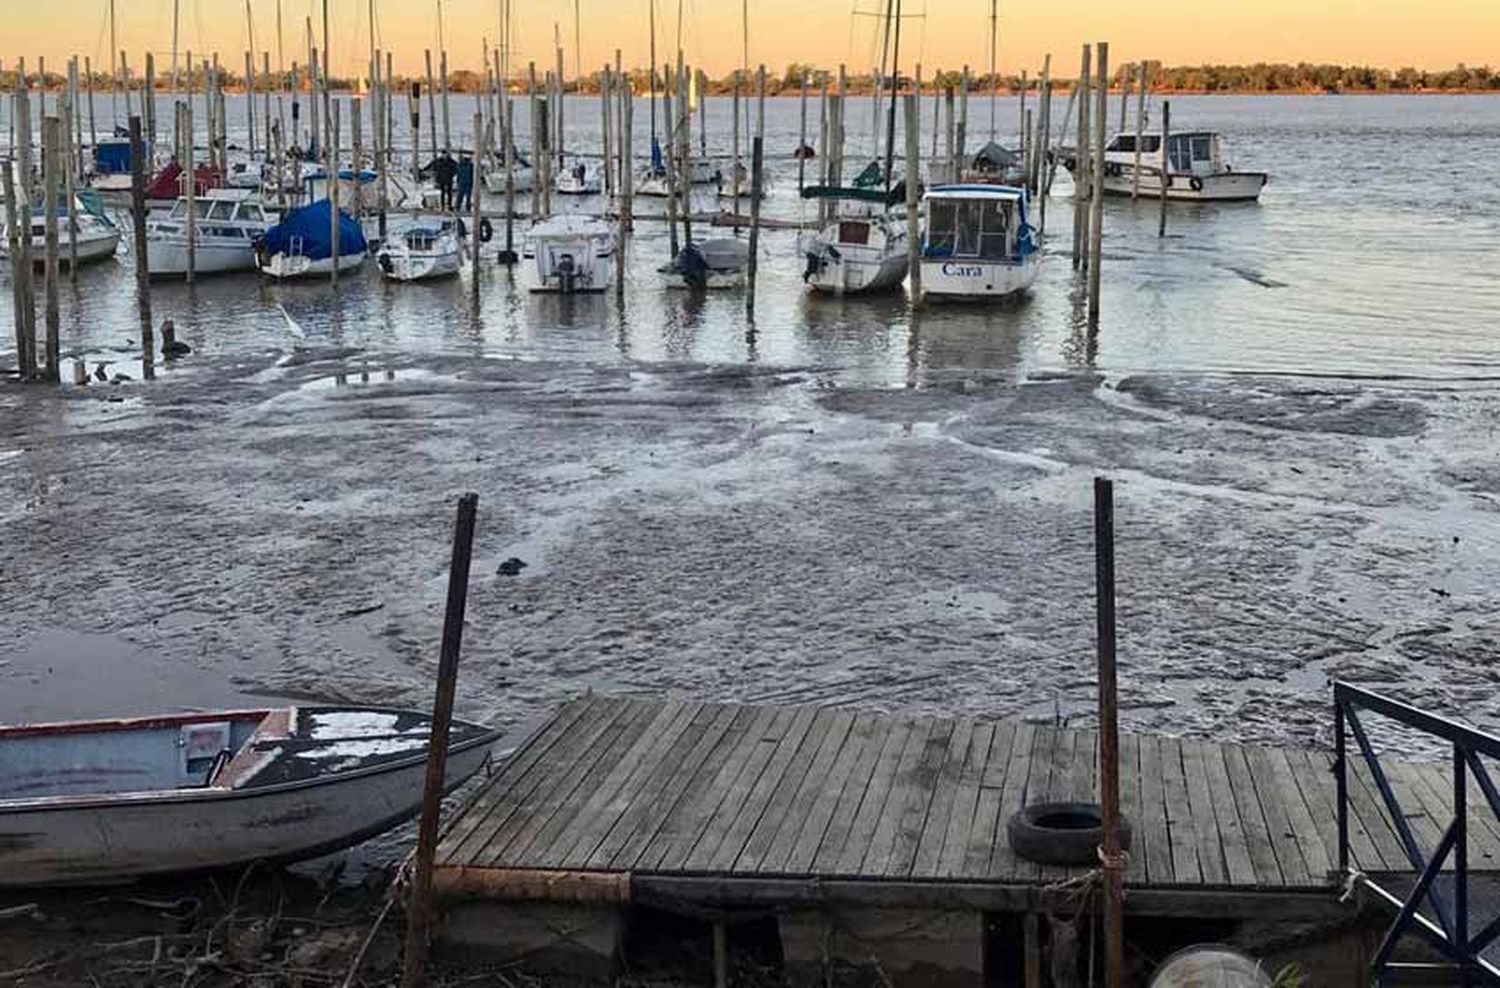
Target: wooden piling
[[1113, 860], [606, 145], [431, 101], [265, 106], [1021, 142], [757, 179], [249, 99], [25, 345], [420, 904], [950, 121], [51, 166], [913, 183], [382, 152], [802, 135], [561, 88], [824, 141], [961, 141], [414, 115], [534, 117], [138, 244], [26, 193], [667, 162], [75, 93], [508, 148], [70, 182], [1096, 184], [1124, 95], [88, 78], [475, 215], [148, 98], [357, 140], [627, 153], [443, 76], [684, 145], [1166, 163], [1080, 162], [1043, 157], [1140, 128], [734, 168]]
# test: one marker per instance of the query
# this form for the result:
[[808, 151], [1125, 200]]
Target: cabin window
[[854, 232], [1202, 148], [942, 223], [1125, 142], [1180, 151], [968, 228], [1151, 143], [179, 211], [221, 210], [994, 232], [251, 213]]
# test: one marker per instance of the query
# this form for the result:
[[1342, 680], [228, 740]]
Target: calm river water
[[1372, 252]]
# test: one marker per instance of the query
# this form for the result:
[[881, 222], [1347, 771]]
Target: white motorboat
[[424, 251], [718, 263], [572, 253], [227, 224], [977, 242], [91, 802], [97, 235], [1194, 166], [862, 247], [301, 245], [578, 180]]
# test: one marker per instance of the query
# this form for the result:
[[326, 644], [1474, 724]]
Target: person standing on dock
[[465, 182], [443, 170]]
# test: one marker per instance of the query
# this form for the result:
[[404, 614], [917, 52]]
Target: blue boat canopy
[[306, 232]]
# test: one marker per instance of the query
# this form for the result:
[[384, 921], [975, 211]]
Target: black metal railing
[[1447, 896]]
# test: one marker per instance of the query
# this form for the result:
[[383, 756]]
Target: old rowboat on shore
[[114, 800]]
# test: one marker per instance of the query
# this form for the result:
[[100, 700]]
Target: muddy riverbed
[[275, 525]]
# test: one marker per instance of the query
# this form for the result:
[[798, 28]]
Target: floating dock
[[895, 823]]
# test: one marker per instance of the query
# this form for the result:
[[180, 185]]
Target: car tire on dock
[[1060, 833]]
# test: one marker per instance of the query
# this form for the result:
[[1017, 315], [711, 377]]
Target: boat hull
[[975, 278], [189, 830], [1223, 187], [167, 258], [91, 248], [396, 266], [857, 270], [287, 266]]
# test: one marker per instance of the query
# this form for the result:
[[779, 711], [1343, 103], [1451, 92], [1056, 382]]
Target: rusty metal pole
[[419, 908], [1109, 735]]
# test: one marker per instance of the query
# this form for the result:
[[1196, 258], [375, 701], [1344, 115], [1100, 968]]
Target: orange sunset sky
[[1432, 34]]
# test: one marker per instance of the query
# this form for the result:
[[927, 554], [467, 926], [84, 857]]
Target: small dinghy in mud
[[115, 800]]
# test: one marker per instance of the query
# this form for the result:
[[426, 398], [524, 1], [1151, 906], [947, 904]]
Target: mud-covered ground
[[277, 525]]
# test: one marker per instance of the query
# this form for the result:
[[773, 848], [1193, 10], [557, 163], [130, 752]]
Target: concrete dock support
[[904, 948]]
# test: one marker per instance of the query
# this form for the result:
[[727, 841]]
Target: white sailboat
[[978, 242], [578, 180], [427, 250], [721, 262], [97, 235]]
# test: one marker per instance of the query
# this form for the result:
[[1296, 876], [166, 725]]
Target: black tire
[[1060, 833], [486, 230], [1196, 183]]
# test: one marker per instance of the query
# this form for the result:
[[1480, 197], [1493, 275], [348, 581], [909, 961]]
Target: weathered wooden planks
[[659, 787]]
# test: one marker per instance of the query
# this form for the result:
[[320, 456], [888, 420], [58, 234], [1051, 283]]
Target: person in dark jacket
[[465, 183], [444, 170]]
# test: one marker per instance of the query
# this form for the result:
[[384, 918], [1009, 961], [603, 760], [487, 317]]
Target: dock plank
[[1154, 826], [1239, 869], [929, 796], [747, 772], [871, 781], [1207, 831], [1365, 800], [1435, 782], [819, 779], [1284, 839], [856, 843], [1314, 774], [826, 732], [1130, 807], [905, 785], [987, 831], [1300, 815], [850, 774], [759, 796], [1180, 831], [955, 840], [1026, 783], [1252, 819], [668, 850]]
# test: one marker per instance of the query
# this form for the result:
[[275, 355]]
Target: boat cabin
[[226, 214], [983, 222], [1193, 153]]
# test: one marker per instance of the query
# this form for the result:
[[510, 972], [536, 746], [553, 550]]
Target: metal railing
[[1450, 934]]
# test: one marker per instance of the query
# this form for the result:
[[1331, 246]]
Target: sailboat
[[863, 246]]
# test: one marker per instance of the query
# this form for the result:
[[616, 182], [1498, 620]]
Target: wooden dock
[[621, 800]]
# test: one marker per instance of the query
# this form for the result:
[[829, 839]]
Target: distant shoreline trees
[[1259, 78]]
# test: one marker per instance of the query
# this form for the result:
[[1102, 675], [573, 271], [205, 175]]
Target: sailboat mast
[[994, 54], [577, 42], [442, 44], [374, 67], [890, 121], [114, 72], [175, 5], [651, 83]]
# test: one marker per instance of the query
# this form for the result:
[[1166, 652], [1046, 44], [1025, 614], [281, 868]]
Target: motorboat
[[1194, 167], [227, 223], [977, 241], [97, 235], [572, 253], [523, 176], [301, 245], [862, 247], [995, 164], [427, 250], [578, 180], [721, 262], [107, 801]]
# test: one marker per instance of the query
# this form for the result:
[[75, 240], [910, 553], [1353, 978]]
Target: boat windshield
[[970, 228]]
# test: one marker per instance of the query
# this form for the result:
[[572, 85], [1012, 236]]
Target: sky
[[1433, 34]]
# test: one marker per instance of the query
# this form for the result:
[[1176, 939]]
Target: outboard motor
[[567, 273]]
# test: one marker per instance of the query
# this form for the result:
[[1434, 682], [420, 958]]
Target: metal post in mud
[[419, 915], [138, 244], [51, 163], [1166, 164], [1140, 127], [757, 178], [1109, 727], [1096, 184], [475, 217], [913, 181]]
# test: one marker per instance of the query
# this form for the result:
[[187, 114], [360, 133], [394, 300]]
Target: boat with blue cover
[[301, 245]]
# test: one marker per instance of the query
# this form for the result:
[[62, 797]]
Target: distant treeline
[[1262, 77]]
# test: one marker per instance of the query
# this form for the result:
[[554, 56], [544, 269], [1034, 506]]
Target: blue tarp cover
[[312, 223]]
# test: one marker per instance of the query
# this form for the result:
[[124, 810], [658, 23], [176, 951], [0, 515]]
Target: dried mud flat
[[277, 525]]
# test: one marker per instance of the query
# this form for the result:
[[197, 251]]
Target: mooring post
[[1125, 74], [419, 918], [148, 98], [70, 182], [1166, 164], [332, 170], [475, 215], [824, 141], [431, 101], [443, 70], [88, 78], [757, 164], [1081, 163], [734, 168], [190, 177], [51, 163], [25, 354], [606, 139], [357, 140], [1140, 127], [138, 245], [1109, 729], [669, 161], [414, 111], [1096, 185], [249, 97], [913, 183], [802, 135], [508, 149], [27, 193], [1032, 951], [961, 141], [534, 117]]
